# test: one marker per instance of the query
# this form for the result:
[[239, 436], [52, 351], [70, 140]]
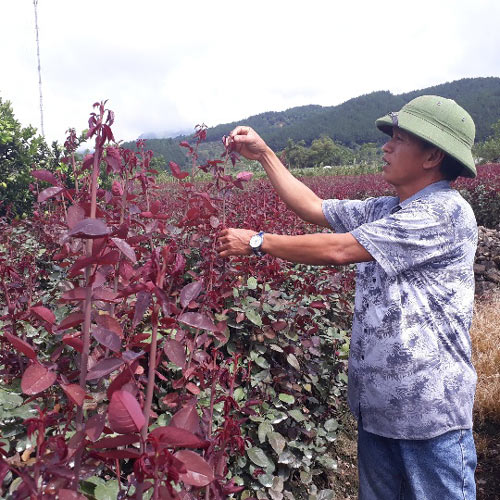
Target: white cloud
[[168, 66]]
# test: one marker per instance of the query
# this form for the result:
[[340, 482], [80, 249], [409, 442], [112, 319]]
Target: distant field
[[361, 181]]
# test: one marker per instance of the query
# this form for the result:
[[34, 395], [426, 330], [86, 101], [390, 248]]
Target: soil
[[487, 437], [344, 481]]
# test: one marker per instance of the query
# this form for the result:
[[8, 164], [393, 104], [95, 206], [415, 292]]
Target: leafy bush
[[483, 194], [20, 149], [137, 363], [145, 364], [488, 151]]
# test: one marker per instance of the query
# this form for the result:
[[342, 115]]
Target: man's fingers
[[239, 131]]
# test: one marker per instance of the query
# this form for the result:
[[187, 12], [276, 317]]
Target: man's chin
[[387, 177]]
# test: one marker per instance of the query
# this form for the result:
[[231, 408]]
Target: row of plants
[[482, 192], [138, 364]]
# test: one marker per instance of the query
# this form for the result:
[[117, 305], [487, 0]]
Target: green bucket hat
[[440, 121]]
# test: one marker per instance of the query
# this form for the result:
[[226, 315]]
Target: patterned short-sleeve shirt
[[410, 370]]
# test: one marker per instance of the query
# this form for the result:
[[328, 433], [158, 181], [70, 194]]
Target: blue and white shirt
[[410, 370]]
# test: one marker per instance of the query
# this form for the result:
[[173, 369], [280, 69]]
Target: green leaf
[[87, 488], [161, 420], [263, 429], [331, 425], [331, 436], [288, 458], [305, 477], [15, 484], [277, 417], [260, 377], [253, 316], [10, 400], [266, 480], [239, 394], [297, 415], [107, 491], [293, 361], [262, 362], [277, 442], [256, 418], [278, 484], [277, 348], [252, 283], [327, 462], [258, 457], [286, 398]]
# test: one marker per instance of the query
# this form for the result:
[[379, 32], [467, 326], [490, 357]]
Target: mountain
[[350, 123], [167, 134]]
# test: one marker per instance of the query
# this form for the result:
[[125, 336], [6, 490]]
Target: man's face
[[404, 156]]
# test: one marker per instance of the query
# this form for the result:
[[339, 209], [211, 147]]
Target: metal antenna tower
[[35, 5]]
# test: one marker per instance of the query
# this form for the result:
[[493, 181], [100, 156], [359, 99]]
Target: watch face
[[255, 241]]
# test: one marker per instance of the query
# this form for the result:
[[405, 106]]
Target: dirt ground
[[344, 481], [487, 437]]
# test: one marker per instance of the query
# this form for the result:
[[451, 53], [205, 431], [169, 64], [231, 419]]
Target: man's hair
[[449, 168]]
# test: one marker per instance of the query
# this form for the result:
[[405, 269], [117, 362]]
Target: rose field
[[136, 363]]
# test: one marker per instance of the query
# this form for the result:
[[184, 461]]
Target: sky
[[165, 66]]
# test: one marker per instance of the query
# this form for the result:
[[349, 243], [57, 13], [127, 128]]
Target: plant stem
[[87, 306], [151, 373], [73, 162]]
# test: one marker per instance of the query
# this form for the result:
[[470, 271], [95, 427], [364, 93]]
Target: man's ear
[[434, 158]]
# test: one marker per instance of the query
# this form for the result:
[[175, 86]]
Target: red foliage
[[145, 290]]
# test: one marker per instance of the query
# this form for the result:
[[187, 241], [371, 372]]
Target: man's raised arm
[[296, 195]]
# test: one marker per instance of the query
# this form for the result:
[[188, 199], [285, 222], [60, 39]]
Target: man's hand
[[234, 242], [245, 141]]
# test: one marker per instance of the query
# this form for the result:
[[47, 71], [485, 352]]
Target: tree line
[[22, 148], [350, 124]]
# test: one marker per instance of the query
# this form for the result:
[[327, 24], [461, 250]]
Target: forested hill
[[351, 122]]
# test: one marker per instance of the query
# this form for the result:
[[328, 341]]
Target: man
[[411, 381]]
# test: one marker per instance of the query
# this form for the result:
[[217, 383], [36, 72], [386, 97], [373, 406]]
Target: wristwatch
[[256, 244]]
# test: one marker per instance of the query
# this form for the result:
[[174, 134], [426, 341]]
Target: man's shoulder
[[446, 203], [379, 206]]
